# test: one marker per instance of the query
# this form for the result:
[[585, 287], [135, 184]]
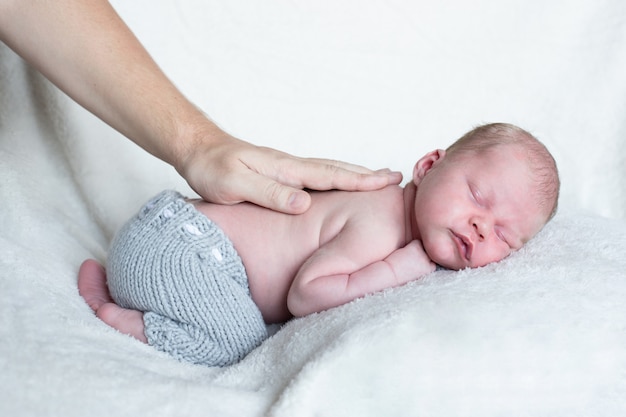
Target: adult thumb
[[273, 195]]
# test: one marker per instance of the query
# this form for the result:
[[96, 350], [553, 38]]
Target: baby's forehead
[[542, 177], [503, 157], [517, 189]]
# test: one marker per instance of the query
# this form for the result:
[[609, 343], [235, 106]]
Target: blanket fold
[[380, 84]]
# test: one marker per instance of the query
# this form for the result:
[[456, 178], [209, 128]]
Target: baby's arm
[[345, 269]]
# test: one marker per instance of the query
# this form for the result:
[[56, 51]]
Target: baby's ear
[[425, 164]]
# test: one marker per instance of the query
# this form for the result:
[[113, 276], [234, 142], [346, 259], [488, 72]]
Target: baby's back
[[273, 245]]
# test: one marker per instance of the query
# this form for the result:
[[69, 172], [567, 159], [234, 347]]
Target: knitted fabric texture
[[174, 264]]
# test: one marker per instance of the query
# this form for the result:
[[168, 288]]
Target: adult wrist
[[192, 135]]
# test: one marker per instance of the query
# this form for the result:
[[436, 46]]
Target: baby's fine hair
[[540, 160]]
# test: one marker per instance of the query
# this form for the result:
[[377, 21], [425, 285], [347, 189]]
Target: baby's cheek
[[494, 254], [445, 256]]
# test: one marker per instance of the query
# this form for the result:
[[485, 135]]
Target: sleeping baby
[[200, 281]]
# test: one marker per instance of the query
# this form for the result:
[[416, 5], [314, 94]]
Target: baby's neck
[[410, 225]]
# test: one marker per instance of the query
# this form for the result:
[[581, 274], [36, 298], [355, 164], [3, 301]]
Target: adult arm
[[84, 48]]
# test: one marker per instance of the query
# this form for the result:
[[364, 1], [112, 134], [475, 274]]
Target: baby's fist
[[410, 262]]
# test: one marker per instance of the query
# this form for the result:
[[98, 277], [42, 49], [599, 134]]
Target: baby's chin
[[445, 259], [452, 266], [478, 264]]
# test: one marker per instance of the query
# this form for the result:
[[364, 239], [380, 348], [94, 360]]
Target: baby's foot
[[125, 320], [93, 288], [92, 284]]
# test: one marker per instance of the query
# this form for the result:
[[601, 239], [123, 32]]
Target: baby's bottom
[[178, 267]]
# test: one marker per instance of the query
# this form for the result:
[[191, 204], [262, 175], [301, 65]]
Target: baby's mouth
[[464, 246]]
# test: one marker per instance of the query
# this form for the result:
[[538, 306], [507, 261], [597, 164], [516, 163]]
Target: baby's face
[[476, 208]]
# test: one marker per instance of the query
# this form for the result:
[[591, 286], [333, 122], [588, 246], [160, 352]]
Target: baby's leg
[[216, 323], [92, 287], [178, 267]]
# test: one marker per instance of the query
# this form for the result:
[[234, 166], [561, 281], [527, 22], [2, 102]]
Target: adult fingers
[[324, 174]]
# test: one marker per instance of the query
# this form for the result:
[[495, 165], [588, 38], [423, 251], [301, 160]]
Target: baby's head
[[485, 196], [542, 165]]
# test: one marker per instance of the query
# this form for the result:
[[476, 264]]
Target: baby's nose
[[482, 227]]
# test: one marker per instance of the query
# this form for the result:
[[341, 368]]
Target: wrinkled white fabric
[[378, 83]]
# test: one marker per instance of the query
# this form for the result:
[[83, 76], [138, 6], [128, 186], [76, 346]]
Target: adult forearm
[[84, 48], [88, 51]]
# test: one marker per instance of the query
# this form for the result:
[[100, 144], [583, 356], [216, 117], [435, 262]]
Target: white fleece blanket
[[380, 83]]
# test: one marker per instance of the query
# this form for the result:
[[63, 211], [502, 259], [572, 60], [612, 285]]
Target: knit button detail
[[190, 228], [217, 254]]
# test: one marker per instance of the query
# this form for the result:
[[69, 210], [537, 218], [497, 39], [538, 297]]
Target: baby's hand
[[410, 262]]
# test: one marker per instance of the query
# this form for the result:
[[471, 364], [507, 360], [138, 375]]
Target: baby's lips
[[464, 246]]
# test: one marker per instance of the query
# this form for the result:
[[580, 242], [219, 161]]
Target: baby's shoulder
[[389, 199], [376, 220], [349, 207], [382, 207]]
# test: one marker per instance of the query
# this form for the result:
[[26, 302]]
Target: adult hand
[[227, 170]]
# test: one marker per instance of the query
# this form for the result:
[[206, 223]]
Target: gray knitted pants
[[174, 264]]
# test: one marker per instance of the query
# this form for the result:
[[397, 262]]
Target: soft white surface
[[378, 83]]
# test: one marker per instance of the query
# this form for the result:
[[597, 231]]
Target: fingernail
[[298, 201], [387, 172]]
